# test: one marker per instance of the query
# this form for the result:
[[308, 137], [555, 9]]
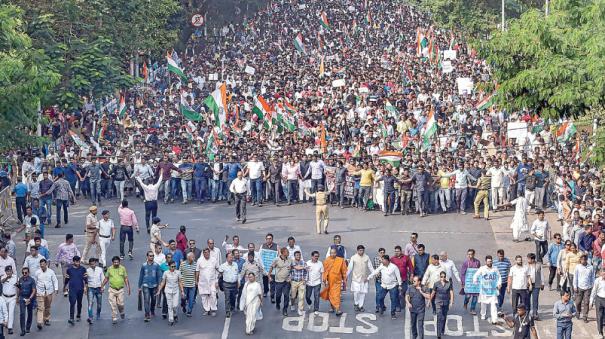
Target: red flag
[[145, 71]]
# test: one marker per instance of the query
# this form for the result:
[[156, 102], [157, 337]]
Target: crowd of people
[[368, 144]]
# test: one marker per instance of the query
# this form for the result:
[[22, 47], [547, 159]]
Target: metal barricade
[[7, 210]]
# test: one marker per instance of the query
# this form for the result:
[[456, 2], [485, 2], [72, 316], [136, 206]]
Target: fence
[[6, 206]]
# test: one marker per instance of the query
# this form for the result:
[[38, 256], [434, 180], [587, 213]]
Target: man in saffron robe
[[334, 277]]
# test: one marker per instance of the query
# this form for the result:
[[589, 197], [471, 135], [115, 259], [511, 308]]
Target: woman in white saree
[[251, 301]]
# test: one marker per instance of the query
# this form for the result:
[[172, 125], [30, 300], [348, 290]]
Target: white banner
[[517, 130], [446, 66], [338, 83]]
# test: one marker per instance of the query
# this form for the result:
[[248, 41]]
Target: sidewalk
[[500, 223]]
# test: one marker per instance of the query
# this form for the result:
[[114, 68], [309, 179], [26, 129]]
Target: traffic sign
[[197, 20]]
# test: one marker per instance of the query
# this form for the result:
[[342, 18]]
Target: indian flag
[[566, 131], [452, 41], [390, 108], [324, 21], [217, 102], [289, 108], [122, 107], [485, 103], [174, 68], [390, 157], [187, 111], [261, 109], [369, 19], [298, 43], [284, 119], [429, 129]]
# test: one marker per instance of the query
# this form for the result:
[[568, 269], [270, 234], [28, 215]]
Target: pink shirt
[[127, 217]]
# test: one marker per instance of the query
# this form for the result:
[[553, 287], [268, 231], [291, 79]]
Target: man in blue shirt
[[27, 298], [21, 193], [150, 277], [200, 179], [70, 173], [503, 265], [77, 280], [177, 255], [553, 254]]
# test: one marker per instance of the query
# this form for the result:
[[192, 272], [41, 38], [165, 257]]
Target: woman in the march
[[444, 299], [172, 285], [251, 301]]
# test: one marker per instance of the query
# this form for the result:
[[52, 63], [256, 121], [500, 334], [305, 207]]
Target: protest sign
[[250, 70], [489, 283], [516, 130], [469, 285], [338, 83], [446, 66], [449, 54], [267, 256], [465, 85]]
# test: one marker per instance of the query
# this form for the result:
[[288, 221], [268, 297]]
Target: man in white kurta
[[489, 281], [520, 225], [361, 267], [251, 301], [206, 273]]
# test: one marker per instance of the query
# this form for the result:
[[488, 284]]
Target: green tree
[[91, 43], [553, 65], [25, 79]]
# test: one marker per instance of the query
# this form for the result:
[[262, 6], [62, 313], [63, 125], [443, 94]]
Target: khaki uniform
[[92, 235], [321, 211], [483, 196]]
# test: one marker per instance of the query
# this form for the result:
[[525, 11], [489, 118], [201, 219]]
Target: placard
[[516, 130], [338, 83], [250, 70], [469, 285], [213, 76], [465, 85], [267, 257], [446, 66], [489, 283], [449, 54], [349, 187]]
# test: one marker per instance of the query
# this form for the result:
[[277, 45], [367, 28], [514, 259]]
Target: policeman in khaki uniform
[[91, 230], [321, 207]]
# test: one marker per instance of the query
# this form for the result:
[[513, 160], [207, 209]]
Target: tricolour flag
[[452, 41], [261, 109], [390, 108], [217, 102], [390, 157], [429, 129], [369, 19], [122, 107], [187, 111], [298, 43], [566, 131], [323, 20], [174, 68], [485, 103]]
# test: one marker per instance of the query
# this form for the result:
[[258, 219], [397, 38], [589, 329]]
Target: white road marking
[[226, 328], [407, 327]]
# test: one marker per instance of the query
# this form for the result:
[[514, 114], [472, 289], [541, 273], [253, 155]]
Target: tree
[[91, 43], [26, 77], [553, 65]]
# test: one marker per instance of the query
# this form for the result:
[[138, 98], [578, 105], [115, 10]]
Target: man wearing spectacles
[[552, 255], [27, 292], [150, 277]]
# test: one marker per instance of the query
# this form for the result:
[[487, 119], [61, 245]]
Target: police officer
[[321, 208]]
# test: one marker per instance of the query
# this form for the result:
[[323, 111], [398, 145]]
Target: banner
[[250, 70], [267, 257], [449, 54], [469, 285], [465, 85], [516, 130], [338, 83], [446, 66], [349, 187], [330, 172]]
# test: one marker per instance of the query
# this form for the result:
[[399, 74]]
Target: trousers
[[321, 216]]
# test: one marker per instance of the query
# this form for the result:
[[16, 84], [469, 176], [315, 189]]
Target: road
[[453, 233]]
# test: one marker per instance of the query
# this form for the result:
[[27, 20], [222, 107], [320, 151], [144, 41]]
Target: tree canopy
[[26, 76]]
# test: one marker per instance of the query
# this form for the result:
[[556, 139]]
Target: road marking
[[226, 328], [406, 327]]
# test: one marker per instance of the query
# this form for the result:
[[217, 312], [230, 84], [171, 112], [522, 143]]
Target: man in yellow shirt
[[365, 184], [444, 195]]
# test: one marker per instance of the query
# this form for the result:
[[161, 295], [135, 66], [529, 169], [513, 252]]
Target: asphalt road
[[453, 233]]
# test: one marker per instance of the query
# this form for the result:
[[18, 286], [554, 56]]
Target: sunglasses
[[172, 266]]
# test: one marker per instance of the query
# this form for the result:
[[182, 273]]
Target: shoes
[[361, 309], [300, 313], [47, 322], [78, 318], [244, 221], [71, 322], [285, 312], [316, 313], [114, 321], [338, 313], [147, 319], [292, 308], [58, 226], [39, 326], [10, 331], [272, 299], [130, 255], [122, 315], [393, 316], [22, 333], [228, 315]]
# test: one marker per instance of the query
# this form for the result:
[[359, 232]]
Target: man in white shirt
[[316, 172], [151, 199], [361, 267], [32, 261], [95, 278], [597, 299], [6, 260], [9, 292], [390, 281], [519, 283], [290, 173], [107, 232], [498, 195], [449, 266], [239, 189], [540, 229], [215, 252], [316, 270], [292, 248], [254, 170], [46, 285], [489, 281]]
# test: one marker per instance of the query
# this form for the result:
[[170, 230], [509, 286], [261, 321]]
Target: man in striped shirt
[[503, 265], [188, 275]]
